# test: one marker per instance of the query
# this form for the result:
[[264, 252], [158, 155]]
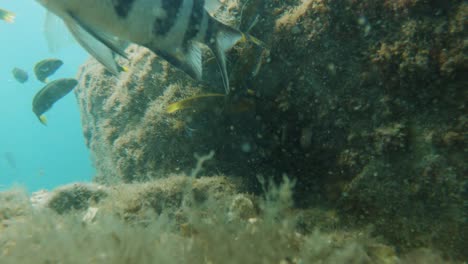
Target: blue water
[[45, 156]]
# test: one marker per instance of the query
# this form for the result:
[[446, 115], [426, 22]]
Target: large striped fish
[[170, 28]]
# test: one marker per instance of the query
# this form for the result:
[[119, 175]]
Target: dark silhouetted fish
[[10, 159], [20, 75], [51, 93], [46, 68], [7, 16]]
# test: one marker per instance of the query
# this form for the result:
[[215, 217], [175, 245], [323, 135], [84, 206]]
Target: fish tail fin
[[43, 119], [220, 38]]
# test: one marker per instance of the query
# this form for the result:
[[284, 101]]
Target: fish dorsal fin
[[225, 38], [96, 48], [56, 33], [188, 59]]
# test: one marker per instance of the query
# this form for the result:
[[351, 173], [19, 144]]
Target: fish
[[10, 159], [209, 101], [172, 29], [192, 102], [20, 75], [51, 93], [7, 16], [46, 68]]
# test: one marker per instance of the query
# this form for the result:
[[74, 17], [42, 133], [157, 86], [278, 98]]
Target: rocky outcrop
[[361, 102]]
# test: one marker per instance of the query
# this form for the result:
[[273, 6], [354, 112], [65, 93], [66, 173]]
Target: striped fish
[[173, 29]]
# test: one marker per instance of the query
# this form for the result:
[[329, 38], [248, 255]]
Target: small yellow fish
[[210, 100], [249, 38], [7, 16], [190, 102]]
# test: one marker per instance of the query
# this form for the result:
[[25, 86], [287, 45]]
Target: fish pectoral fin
[[189, 60], [56, 33], [94, 46], [112, 42]]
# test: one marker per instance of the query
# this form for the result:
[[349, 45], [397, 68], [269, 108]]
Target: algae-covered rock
[[126, 125], [166, 196], [363, 103], [76, 196], [201, 230], [131, 201], [13, 203]]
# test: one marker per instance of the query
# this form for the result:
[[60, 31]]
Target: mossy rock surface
[[363, 103], [225, 226]]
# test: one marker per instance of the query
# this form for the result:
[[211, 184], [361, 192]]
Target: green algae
[[144, 223]]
